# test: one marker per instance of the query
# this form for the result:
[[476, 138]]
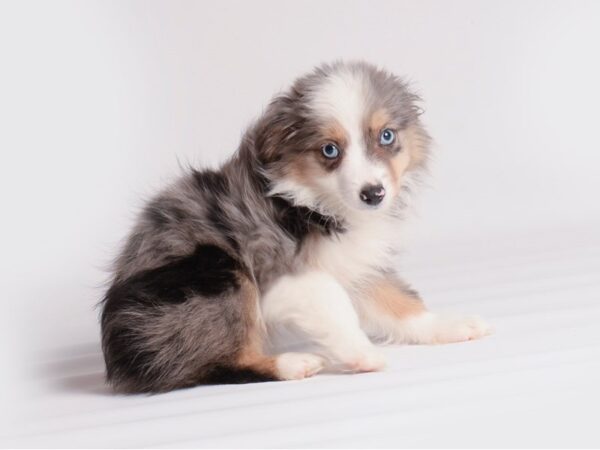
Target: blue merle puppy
[[298, 229]]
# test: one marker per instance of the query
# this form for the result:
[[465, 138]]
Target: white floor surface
[[533, 383]]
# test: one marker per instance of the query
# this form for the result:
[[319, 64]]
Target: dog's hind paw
[[451, 328], [296, 366]]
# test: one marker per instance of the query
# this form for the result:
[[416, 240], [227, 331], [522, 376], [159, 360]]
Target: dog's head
[[342, 139]]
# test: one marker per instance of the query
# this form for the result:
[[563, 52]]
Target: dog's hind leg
[[192, 321]]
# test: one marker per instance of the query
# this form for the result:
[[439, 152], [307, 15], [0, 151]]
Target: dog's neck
[[301, 220]]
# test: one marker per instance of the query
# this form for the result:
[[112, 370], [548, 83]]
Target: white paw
[[296, 366], [367, 362], [450, 329]]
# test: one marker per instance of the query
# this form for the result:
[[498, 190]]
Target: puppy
[[297, 230]]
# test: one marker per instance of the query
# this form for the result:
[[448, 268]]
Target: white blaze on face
[[343, 97]]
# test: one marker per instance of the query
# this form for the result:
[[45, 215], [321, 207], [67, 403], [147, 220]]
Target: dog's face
[[342, 139]]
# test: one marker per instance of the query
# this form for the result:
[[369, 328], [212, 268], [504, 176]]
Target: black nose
[[372, 194]]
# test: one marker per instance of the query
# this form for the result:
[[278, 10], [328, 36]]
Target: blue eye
[[387, 137], [330, 151]]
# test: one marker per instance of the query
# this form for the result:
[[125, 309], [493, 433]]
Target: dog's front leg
[[390, 310], [314, 303]]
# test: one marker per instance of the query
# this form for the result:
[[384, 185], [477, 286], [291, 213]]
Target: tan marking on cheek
[[416, 141], [397, 166], [390, 299]]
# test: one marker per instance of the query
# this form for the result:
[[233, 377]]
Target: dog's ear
[[276, 127], [418, 141]]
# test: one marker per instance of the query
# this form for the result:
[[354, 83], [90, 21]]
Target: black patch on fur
[[209, 275], [234, 375], [208, 272], [299, 221]]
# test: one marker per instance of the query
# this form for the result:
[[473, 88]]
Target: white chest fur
[[366, 247]]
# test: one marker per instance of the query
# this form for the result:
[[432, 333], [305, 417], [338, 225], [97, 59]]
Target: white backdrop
[[99, 101]]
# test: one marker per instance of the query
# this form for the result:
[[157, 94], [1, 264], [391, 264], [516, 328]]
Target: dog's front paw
[[449, 329]]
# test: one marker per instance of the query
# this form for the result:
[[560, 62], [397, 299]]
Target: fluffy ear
[[418, 142], [276, 127]]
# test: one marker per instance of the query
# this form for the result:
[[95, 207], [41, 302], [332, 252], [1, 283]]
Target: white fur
[[314, 303], [342, 96], [357, 171], [359, 253], [295, 366]]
